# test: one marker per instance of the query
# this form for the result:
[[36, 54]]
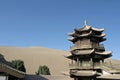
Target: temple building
[[7, 70], [88, 55]]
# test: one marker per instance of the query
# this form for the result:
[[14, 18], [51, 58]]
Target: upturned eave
[[81, 73], [98, 30]]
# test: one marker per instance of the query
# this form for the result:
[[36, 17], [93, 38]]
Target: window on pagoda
[[95, 44], [86, 64], [85, 43]]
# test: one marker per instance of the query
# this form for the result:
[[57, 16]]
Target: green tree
[[19, 65], [43, 70]]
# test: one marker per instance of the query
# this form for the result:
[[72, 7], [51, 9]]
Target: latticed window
[[85, 43], [86, 63]]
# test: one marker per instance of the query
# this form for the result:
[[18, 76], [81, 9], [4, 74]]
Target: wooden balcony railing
[[112, 68]]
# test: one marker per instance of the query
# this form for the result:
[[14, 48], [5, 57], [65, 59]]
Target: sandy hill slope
[[35, 56]]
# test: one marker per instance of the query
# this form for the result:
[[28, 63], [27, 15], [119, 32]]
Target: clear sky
[[26, 23]]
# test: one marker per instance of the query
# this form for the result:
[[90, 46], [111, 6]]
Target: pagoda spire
[[85, 22]]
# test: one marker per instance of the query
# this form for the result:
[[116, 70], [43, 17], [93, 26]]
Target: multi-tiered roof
[[87, 43]]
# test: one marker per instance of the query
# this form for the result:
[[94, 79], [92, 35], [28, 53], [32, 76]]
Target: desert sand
[[33, 57]]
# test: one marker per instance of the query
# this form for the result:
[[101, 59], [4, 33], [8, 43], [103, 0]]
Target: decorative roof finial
[[85, 22]]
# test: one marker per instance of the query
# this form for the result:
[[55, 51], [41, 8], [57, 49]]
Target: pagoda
[[87, 53]]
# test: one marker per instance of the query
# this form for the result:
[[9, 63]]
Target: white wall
[[3, 78]]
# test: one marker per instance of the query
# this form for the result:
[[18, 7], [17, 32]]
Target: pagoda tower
[[87, 53]]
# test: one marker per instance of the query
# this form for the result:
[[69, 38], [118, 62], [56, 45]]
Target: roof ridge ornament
[[86, 22]]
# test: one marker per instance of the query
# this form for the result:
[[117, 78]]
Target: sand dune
[[35, 56]]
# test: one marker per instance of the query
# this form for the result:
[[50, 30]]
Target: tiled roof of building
[[110, 77], [7, 68], [47, 77]]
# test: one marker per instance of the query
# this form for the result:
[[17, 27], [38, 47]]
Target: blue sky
[[25, 23]]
